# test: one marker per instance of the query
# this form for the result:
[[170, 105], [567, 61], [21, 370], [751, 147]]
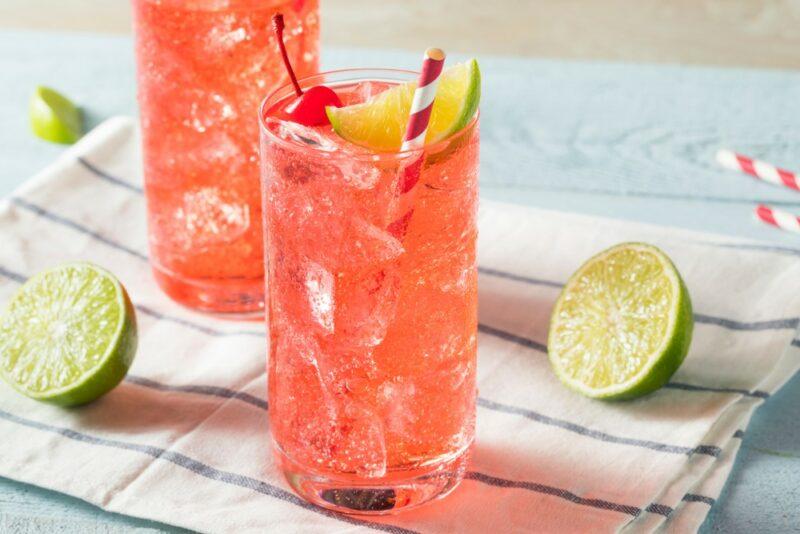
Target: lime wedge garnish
[[380, 122], [54, 117], [622, 325], [68, 335]]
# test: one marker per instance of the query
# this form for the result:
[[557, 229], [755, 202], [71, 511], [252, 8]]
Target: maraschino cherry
[[308, 108]]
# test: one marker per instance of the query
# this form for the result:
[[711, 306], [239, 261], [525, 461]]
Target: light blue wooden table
[[628, 141]]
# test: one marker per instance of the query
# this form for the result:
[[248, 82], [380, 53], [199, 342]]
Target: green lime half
[[380, 122], [68, 335], [54, 117], [622, 325]]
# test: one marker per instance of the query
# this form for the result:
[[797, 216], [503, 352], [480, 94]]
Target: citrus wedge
[[622, 325], [68, 335], [54, 117], [380, 122]]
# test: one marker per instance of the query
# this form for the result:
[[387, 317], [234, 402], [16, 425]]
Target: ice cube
[[220, 148], [209, 216], [360, 443], [396, 397], [225, 35], [306, 408], [207, 110], [207, 157], [359, 174], [365, 307], [319, 285], [366, 244], [327, 426], [316, 137], [361, 92]]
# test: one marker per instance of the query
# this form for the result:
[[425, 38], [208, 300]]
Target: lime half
[[68, 335], [380, 122], [622, 325], [54, 117]]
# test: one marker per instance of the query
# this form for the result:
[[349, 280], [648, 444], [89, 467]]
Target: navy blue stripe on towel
[[109, 177]]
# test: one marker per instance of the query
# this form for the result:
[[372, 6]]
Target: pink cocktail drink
[[203, 67], [372, 311]]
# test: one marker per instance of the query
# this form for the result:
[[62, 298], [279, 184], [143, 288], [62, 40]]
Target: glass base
[[227, 298], [398, 491]]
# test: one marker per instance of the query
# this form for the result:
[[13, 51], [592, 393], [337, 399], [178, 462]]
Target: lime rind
[[95, 380], [53, 117], [471, 102], [662, 362]]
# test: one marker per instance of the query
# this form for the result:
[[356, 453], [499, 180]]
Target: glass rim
[[367, 154]]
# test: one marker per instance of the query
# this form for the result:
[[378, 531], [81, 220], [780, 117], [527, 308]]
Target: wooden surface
[[629, 141], [759, 33]]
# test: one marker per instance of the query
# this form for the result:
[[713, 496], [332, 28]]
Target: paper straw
[[759, 169], [414, 138], [424, 94], [778, 218]]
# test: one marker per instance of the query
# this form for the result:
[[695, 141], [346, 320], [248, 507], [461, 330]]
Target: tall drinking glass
[[203, 67], [372, 308]]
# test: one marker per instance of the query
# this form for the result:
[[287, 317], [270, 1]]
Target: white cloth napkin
[[184, 439]]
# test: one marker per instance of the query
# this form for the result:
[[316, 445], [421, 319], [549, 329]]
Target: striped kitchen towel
[[185, 438]]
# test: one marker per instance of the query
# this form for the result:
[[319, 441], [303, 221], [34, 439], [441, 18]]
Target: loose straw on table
[[414, 138], [768, 173], [778, 218], [758, 169]]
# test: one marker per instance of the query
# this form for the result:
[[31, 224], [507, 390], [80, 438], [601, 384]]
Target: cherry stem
[[277, 27]]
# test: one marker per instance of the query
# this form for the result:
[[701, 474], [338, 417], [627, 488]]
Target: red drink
[[203, 66], [372, 315]]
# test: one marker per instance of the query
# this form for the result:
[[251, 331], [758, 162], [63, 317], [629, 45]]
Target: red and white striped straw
[[424, 94], [760, 169], [414, 138], [779, 218]]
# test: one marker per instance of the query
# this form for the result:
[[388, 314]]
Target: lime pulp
[[622, 325], [68, 335]]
